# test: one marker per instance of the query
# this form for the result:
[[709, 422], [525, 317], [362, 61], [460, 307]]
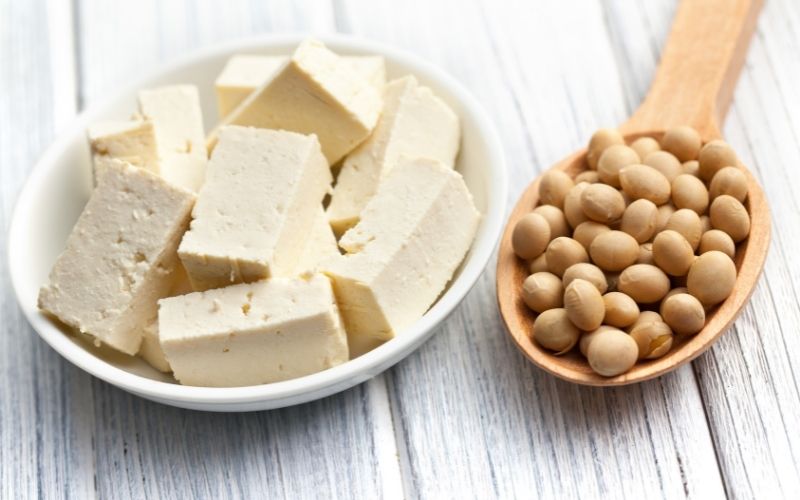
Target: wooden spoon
[[693, 86]]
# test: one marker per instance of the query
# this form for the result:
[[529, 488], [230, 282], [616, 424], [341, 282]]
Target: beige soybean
[[644, 283], [587, 231], [730, 181], [639, 220], [689, 192], [645, 254], [691, 167], [542, 291], [621, 310], [729, 215], [601, 140], [688, 223], [644, 146], [653, 339], [683, 313], [674, 291], [715, 239], [587, 337], [553, 188], [588, 272], [664, 162], [589, 176], [584, 305], [715, 156], [530, 236], [554, 331], [672, 253], [614, 250], [612, 352], [711, 278], [563, 252], [664, 213], [613, 159], [642, 181], [539, 264], [644, 318], [683, 142], [572, 205], [555, 219], [602, 203]]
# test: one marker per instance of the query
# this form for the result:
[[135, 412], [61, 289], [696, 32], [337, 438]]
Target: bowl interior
[[512, 271], [60, 184]]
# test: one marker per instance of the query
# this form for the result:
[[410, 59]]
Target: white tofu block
[[315, 92], [254, 333], [411, 238], [180, 137], [254, 213], [320, 245], [132, 141], [243, 74], [150, 350], [414, 124], [120, 257]]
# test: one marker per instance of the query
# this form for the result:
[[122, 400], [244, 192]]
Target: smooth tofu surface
[[255, 333], [414, 124], [253, 215], [412, 236], [315, 92], [320, 245], [243, 74], [180, 138], [132, 141], [120, 257]]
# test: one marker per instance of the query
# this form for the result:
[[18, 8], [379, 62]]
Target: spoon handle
[[699, 67]]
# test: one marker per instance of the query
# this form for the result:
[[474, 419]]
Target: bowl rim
[[311, 386]]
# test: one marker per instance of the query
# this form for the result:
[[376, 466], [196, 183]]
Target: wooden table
[[466, 415]]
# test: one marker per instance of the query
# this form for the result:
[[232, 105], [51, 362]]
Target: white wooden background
[[465, 416]]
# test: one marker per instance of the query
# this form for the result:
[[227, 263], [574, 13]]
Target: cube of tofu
[[315, 92], [414, 124], [253, 215], [178, 123], [120, 257], [412, 236], [320, 245], [131, 141], [150, 349], [243, 74], [255, 333]]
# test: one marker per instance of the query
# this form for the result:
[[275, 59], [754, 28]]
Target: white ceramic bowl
[[59, 186]]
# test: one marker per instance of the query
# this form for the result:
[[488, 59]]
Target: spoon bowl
[[518, 318]]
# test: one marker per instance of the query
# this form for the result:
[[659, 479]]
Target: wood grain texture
[[467, 415]]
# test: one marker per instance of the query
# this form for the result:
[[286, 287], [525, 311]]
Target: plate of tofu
[[261, 224]]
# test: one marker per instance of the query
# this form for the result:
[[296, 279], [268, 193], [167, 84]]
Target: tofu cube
[[314, 92], [243, 74], [180, 138], [254, 333], [414, 124], [411, 238], [120, 257], [320, 245], [132, 141], [150, 349], [253, 215]]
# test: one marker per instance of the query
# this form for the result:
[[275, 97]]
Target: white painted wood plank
[[343, 445], [477, 419], [45, 425]]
